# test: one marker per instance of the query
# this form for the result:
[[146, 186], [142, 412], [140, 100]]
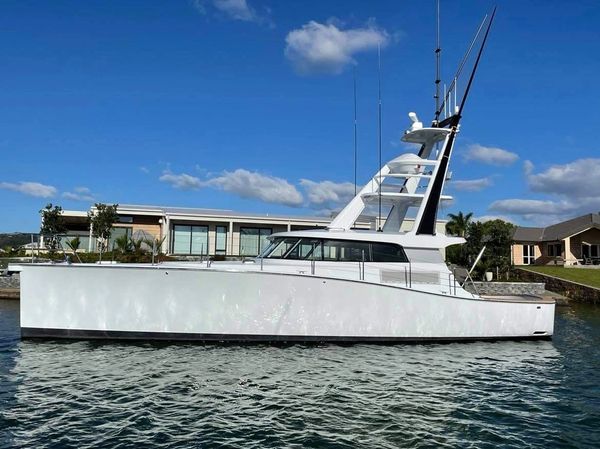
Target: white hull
[[169, 303]]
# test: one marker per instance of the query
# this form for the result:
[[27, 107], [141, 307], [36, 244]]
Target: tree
[[74, 245], [459, 224], [495, 235], [101, 221], [123, 243], [155, 244], [52, 225], [498, 241], [137, 245]]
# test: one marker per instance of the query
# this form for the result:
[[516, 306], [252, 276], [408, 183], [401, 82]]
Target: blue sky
[[247, 105]]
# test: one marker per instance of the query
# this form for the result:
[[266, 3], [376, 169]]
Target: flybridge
[[410, 169], [427, 166]]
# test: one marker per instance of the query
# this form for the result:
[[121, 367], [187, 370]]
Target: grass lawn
[[585, 276]]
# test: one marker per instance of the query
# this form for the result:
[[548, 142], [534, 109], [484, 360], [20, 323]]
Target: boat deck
[[520, 298]]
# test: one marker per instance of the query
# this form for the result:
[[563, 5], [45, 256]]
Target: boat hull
[[157, 303]]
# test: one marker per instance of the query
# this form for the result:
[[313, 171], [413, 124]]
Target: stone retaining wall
[[508, 288], [572, 290], [10, 281]]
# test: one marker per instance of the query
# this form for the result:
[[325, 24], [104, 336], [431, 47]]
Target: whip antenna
[[355, 140], [379, 126], [438, 55]]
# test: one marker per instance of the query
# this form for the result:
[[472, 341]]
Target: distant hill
[[15, 239]]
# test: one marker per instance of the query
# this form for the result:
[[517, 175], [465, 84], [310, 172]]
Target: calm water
[[506, 394]]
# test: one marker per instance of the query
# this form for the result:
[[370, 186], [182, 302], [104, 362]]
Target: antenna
[[438, 55], [428, 213], [379, 126], [355, 140]]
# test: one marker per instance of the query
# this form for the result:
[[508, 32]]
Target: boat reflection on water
[[95, 393]]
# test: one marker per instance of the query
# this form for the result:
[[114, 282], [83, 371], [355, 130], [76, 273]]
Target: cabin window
[[346, 251], [384, 252], [295, 248], [253, 240], [304, 249], [528, 254]]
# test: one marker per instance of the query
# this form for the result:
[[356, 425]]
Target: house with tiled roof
[[571, 242]]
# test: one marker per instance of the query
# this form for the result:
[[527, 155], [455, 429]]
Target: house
[[571, 242], [200, 232]]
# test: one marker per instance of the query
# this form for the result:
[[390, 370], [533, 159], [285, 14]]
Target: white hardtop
[[407, 240]]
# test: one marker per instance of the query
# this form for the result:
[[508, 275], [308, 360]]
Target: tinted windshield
[[296, 248]]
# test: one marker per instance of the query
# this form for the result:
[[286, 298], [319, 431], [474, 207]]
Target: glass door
[[528, 254]]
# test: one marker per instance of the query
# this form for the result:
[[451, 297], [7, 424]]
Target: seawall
[[575, 291], [9, 287]]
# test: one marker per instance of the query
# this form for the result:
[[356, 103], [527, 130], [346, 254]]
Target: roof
[[528, 234], [557, 231], [183, 212], [408, 240], [167, 210]]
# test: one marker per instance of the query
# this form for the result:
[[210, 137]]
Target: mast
[[427, 217], [438, 55]]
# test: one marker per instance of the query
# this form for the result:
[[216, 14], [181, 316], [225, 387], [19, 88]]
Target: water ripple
[[481, 395]]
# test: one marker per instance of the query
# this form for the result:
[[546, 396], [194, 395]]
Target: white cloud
[[516, 206], [328, 193], [485, 218], [325, 48], [30, 188], [490, 155], [79, 194], [182, 181], [471, 185], [232, 9], [236, 9], [144, 169], [572, 190], [577, 179], [243, 183], [247, 184]]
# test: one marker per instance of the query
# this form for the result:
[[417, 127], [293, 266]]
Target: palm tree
[[155, 244], [73, 245], [136, 245], [123, 243], [459, 224]]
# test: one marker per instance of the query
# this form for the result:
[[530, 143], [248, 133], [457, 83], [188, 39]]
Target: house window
[[253, 240], [118, 232], [590, 251], [554, 249], [221, 240], [190, 239], [528, 254]]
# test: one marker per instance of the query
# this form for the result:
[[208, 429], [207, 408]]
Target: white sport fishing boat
[[336, 284]]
